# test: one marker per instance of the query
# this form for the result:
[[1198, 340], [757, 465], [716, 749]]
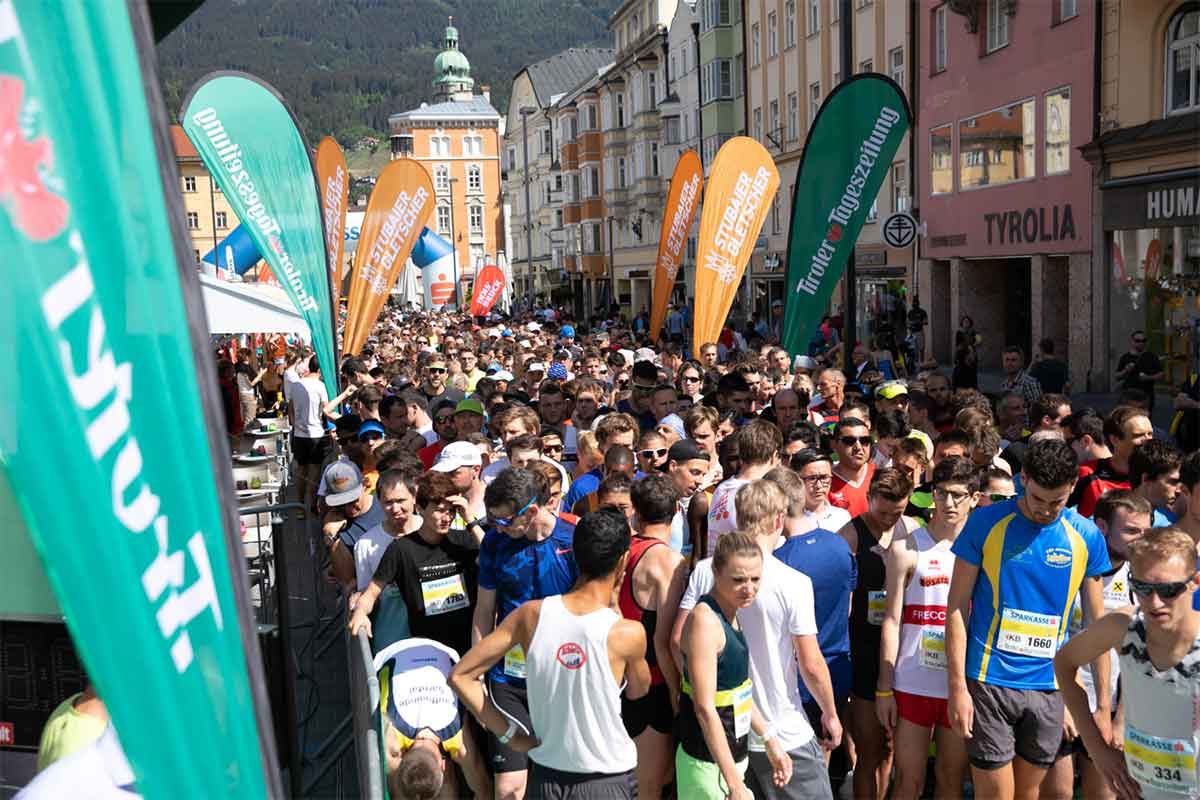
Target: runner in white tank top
[[913, 683], [1159, 651], [579, 654], [581, 730]]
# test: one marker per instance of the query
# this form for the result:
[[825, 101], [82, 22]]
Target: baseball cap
[[343, 483], [567, 332], [455, 455], [675, 423], [503, 375], [370, 426], [533, 326], [890, 390], [506, 333], [470, 405], [687, 450], [805, 362], [557, 372], [644, 354], [535, 366]]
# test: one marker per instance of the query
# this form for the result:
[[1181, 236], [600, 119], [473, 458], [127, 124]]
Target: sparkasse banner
[[251, 144], [846, 157]]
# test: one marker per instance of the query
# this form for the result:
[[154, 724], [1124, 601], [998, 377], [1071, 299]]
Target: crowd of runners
[[596, 567]]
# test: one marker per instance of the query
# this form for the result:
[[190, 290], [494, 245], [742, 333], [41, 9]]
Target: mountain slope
[[345, 65]]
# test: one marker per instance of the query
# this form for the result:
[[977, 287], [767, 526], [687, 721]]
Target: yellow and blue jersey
[[1028, 578]]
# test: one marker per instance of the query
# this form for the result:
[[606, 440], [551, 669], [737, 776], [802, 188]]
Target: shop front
[[1152, 244]]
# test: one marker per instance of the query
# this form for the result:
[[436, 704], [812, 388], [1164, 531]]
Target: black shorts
[[310, 452], [554, 784], [653, 710], [864, 663], [1014, 722], [513, 703]]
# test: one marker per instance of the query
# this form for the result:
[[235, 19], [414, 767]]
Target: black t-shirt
[[917, 319], [451, 394], [358, 526], [438, 583], [1052, 374], [1144, 362]]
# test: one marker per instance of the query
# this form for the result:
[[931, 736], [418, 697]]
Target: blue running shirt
[[518, 570], [1029, 576]]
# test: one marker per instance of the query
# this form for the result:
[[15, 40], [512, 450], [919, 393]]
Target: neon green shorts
[[701, 780]]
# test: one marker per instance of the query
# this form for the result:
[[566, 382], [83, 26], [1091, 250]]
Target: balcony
[[570, 155], [617, 198], [646, 121], [571, 213], [595, 265]]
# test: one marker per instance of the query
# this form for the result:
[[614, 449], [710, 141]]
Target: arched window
[[1183, 60]]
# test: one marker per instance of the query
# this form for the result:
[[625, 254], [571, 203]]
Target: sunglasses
[[505, 522], [436, 370], [1139, 341], [1165, 591], [850, 441], [443, 419], [817, 480], [552, 448], [649, 454], [637, 387], [691, 378], [1000, 498], [373, 436]]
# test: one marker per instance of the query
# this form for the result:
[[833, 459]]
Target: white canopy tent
[[250, 308]]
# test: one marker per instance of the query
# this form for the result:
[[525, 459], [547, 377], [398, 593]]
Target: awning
[[249, 308]]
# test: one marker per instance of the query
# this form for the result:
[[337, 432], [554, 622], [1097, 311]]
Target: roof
[[1185, 126], [478, 106], [564, 71], [182, 144]]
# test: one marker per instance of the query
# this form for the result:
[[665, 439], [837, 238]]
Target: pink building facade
[[1005, 100]]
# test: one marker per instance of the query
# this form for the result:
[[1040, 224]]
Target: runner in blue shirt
[[1019, 565], [527, 554]]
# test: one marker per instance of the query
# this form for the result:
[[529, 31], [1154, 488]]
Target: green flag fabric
[[110, 399], [250, 142], [846, 157]]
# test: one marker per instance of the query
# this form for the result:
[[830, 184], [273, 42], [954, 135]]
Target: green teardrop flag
[[848, 154], [113, 450], [251, 144]]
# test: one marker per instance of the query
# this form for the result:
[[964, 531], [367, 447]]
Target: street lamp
[[525, 111], [453, 245]]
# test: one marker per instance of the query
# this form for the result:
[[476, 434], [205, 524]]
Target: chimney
[[486, 91]]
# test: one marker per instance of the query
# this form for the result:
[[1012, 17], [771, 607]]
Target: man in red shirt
[[1125, 428], [852, 474]]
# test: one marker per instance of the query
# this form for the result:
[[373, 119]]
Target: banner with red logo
[[682, 201], [333, 179], [489, 285], [400, 203]]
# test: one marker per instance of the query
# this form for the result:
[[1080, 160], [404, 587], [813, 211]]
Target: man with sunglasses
[[852, 475], [816, 470], [433, 386], [525, 555], [1018, 568], [444, 427], [642, 387], [1139, 368], [1158, 757]]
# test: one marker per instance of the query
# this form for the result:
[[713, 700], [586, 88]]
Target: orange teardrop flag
[[333, 180], [489, 285], [400, 204], [680, 210], [741, 186]]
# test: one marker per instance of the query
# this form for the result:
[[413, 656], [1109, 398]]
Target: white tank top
[[921, 659], [1116, 595], [1161, 726], [575, 702]]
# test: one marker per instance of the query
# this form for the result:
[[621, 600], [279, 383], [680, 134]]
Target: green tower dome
[[452, 69]]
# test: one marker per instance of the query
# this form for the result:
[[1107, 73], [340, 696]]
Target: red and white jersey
[[921, 659]]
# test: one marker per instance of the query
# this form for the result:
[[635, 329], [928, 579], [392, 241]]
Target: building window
[[576, 194], [896, 66], [773, 121], [441, 178], [511, 155], [651, 90], [900, 187], [620, 110], [671, 134], [189, 183], [620, 173], [755, 48], [1183, 61], [941, 160], [1058, 131], [789, 24], [939, 39], [593, 174], [757, 129], [439, 145], [814, 101], [776, 222], [222, 220], [558, 219], [714, 13], [814, 16], [718, 80], [793, 119], [475, 218], [546, 193], [997, 147], [867, 65], [1064, 10], [592, 122], [654, 159], [443, 220], [547, 141], [193, 220], [474, 178], [472, 146], [772, 35], [997, 25], [402, 145], [873, 212]]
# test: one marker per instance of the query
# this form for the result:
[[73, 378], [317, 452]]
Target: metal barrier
[[364, 710]]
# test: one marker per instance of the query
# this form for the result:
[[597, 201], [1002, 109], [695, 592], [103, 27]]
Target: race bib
[[443, 595], [514, 662], [933, 648], [1168, 765], [1028, 633], [743, 705], [876, 607]]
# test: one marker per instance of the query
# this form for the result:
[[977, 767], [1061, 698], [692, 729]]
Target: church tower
[[453, 72]]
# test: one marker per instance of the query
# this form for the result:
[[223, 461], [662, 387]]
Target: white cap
[[455, 455], [503, 375], [645, 354], [533, 326], [535, 366]]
